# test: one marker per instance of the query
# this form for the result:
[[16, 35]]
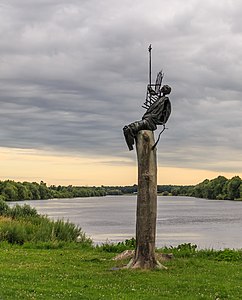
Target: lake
[[207, 223]]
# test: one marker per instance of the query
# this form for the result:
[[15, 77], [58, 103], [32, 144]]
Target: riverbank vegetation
[[15, 191], [219, 188], [22, 224]]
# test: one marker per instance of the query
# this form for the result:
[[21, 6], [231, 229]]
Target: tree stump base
[[144, 257], [145, 265], [160, 257]]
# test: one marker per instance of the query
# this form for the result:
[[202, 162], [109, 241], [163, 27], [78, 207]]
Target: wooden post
[[144, 257]]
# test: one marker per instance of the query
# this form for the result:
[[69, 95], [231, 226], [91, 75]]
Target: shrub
[[21, 224], [2, 198], [22, 211], [228, 255], [182, 250], [11, 231], [119, 247], [65, 231], [4, 208]]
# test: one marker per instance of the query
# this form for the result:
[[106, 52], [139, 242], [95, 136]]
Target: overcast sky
[[73, 73]]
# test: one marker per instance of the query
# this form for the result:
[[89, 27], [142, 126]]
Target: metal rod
[[150, 48]]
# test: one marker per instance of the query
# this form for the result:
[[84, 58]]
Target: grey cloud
[[72, 74]]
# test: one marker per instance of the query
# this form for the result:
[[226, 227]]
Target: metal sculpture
[[157, 105]]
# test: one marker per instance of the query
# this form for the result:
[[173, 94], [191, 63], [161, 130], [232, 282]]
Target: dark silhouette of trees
[[17, 191], [219, 188]]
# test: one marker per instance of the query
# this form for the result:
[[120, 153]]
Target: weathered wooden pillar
[[146, 202]]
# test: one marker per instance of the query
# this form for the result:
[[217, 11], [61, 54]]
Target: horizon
[[36, 165], [73, 74]]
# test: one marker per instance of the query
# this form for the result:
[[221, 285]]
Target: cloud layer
[[74, 73]]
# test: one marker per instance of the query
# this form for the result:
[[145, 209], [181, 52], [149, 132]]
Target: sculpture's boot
[[129, 137]]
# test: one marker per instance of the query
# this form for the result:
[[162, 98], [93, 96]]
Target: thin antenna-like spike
[[150, 48], [150, 72]]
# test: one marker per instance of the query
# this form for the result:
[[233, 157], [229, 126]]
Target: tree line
[[163, 190], [219, 188], [16, 191]]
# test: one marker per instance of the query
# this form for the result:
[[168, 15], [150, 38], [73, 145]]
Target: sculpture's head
[[166, 89]]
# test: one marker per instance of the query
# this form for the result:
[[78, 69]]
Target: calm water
[[207, 223]]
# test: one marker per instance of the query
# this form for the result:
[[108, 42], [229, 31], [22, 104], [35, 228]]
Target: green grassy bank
[[74, 272]]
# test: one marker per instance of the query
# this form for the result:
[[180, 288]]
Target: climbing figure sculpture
[[158, 111]]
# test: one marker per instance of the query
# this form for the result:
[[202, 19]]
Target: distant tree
[[34, 190], [10, 191], [23, 193], [202, 190], [45, 193], [175, 191], [218, 185], [233, 187]]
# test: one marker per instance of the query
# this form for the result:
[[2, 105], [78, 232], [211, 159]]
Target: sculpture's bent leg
[[131, 131]]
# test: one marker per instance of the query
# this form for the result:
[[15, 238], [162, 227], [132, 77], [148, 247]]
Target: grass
[[43, 259], [74, 272]]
